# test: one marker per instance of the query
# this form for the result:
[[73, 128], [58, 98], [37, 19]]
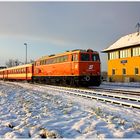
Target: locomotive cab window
[[95, 57], [85, 57]]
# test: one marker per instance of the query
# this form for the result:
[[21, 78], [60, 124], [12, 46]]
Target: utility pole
[[138, 27], [26, 53], [26, 59]]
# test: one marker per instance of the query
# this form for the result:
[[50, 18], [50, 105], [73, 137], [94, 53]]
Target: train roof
[[125, 42], [65, 53], [17, 67]]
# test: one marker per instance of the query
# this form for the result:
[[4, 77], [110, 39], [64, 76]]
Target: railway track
[[115, 98], [122, 85], [112, 96], [137, 93]]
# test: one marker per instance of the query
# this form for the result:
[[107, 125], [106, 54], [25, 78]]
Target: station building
[[124, 59]]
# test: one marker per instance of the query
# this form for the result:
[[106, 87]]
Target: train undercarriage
[[68, 80]]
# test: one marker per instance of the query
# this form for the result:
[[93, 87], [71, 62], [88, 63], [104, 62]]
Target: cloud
[[68, 25]]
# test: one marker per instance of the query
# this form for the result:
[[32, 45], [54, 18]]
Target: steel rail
[[129, 92], [131, 102], [101, 96], [121, 96], [120, 85]]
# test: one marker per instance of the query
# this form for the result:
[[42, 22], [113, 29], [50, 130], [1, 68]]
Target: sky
[[55, 27]]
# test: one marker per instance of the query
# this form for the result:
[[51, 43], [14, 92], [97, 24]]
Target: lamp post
[[26, 52]]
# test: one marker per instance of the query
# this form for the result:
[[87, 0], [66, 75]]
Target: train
[[75, 68]]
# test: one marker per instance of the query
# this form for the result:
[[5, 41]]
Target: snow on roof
[[125, 41]]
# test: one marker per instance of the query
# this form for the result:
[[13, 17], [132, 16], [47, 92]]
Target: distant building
[[3, 67], [124, 59]]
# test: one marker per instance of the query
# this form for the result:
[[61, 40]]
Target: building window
[[124, 71], [136, 51], [125, 53], [113, 71], [114, 55], [136, 71]]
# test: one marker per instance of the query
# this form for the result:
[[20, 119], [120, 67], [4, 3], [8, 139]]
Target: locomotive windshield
[[95, 57], [85, 57], [89, 57]]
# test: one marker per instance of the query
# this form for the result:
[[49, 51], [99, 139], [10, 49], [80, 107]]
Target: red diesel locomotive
[[75, 68]]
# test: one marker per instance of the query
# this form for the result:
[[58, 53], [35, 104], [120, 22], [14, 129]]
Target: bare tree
[[12, 62], [31, 61]]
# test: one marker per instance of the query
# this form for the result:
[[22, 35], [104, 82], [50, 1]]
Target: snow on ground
[[32, 111]]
